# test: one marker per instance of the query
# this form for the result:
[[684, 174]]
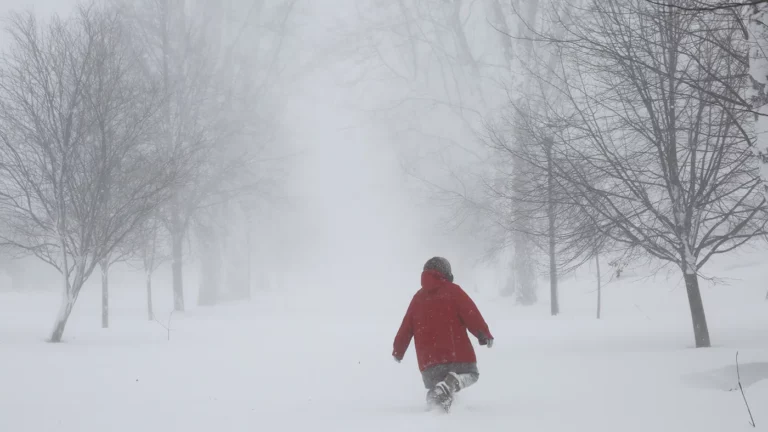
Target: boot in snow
[[440, 396], [453, 382]]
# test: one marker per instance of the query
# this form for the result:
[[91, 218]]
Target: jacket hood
[[433, 280]]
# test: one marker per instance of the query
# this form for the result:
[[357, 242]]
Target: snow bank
[[321, 361]]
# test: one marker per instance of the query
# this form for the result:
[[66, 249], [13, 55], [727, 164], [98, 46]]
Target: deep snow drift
[[320, 360]]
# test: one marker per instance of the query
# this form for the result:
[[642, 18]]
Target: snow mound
[[726, 378]]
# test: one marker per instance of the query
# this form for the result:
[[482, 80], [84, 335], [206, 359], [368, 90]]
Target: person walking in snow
[[438, 318]]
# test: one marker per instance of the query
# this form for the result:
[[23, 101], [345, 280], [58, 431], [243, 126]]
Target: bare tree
[[523, 211], [652, 97], [149, 247], [218, 105], [523, 141], [560, 222], [79, 171], [140, 243], [121, 253], [445, 69]]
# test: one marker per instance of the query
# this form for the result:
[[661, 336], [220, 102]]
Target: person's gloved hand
[[485, 341]]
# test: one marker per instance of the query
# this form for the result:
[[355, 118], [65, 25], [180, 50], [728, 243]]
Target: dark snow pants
[[467, 373]]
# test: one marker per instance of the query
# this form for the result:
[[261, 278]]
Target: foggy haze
[[223, 215], [346, 207]]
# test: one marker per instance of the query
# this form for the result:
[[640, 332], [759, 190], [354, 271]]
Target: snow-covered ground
[[319, 359]]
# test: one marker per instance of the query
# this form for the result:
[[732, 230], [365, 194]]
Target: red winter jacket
[[438, 318]]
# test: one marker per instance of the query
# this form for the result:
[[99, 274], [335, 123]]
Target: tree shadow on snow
[[726, 379]]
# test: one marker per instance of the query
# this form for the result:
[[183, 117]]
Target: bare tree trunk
[[249, 275], [554, 303], [150, 313], [524, 278], [71, 291], [104, 264], [238, 262], [464, 53], [524, 274], [68, 299], [599, 285], [178, 283], [509, 287], [248, 260], [177, 250], [67, 303], [504, 31], [210, 266], [700, 329], [177, 231]]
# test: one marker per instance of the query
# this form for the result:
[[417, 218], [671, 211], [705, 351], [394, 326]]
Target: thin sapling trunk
[[104, 264], [150, 313], [599, 286], [554, 303]]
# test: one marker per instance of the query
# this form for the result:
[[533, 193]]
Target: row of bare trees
[[627, 129], [441, 64], [124, 124], [453, 65], [643, 130]]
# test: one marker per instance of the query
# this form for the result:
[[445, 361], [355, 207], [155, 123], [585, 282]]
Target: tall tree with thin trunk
[[551, 225], [538, 63], [559, 223], [150, 247]]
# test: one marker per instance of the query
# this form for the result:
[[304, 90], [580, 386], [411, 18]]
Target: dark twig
[[710, 7], [166, 327], [738, 376]]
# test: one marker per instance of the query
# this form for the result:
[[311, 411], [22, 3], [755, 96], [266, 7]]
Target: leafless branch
[[738, 376]]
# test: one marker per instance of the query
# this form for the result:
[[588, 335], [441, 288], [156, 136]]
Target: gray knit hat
[[441, 265]]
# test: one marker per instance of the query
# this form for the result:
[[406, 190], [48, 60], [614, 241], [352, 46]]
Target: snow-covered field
[[320, 360]]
